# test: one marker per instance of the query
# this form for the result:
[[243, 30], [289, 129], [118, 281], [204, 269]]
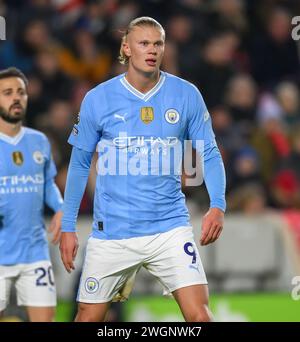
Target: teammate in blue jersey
[[26, 183], [138, 122]]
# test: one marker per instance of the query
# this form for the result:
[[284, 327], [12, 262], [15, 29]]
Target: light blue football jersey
[[134, 134], [25, 166]]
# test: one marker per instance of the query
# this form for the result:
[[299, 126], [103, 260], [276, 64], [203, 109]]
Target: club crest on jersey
[[147, 114], [18, 158], [172, 116], [38, 157], [91, 285]]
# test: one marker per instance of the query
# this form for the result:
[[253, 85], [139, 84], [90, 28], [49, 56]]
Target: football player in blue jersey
[[26, 183], [136, 122]]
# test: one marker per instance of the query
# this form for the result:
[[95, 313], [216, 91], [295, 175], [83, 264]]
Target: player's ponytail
[[123, 59]]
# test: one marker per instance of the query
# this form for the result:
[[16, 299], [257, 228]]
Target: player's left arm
[[212, 225], [215, 181], [53, 197], [200, 129]]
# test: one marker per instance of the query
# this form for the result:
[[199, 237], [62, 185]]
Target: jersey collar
[[13, 140], [147, 95]]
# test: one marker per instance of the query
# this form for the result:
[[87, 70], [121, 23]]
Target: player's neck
[[141, 81], [10, 129]]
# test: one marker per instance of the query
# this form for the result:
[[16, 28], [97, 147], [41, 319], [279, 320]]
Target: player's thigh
[[36, 285], [108, 272], [176, 261], [6, 281], [40, 314], [193, 302]]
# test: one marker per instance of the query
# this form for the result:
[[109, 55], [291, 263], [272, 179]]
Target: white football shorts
[[110, 266], [35, 285]]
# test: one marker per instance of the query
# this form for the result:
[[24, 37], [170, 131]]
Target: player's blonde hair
[[141, 21]]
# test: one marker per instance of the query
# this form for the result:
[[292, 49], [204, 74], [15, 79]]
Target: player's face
[[145, 48], [13, 99]]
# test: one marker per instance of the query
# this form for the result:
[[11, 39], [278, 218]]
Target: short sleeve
[[86, 133]]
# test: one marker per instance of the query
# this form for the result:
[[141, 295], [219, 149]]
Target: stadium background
[[241, 55]]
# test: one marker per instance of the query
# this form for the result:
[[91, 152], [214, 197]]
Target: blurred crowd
[[239, 53]]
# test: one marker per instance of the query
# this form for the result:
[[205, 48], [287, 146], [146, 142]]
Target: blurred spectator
[[250, 199], [274, 54], [268, 109], [272, 144], [36, 104], [245, 168], [285, 189], [94, 18], [127, 11], [278, 138], [85, 60], [266, 150], [214, 69], [181, 45], [42, 10], [69, 11], [170, 61], [288, 98], [123, 14], [56, 84], [241, 98], [30, 40], [80, 88], [57, 125], [294, 158], [229, 14], [229, 138]]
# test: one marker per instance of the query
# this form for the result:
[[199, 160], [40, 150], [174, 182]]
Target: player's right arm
[[86, 134], [68, 249]]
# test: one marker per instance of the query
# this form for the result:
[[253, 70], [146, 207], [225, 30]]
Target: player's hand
[[68, 250], [212, 225], [55, 227]]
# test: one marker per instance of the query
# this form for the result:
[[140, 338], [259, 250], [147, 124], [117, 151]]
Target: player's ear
[[126, 48]]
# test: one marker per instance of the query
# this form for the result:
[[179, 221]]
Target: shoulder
[[181, 84], [105, 86], [35, 134], [37, 138], [99, 92]]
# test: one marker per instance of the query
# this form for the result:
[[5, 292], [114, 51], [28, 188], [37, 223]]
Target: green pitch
[[256, 307]]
